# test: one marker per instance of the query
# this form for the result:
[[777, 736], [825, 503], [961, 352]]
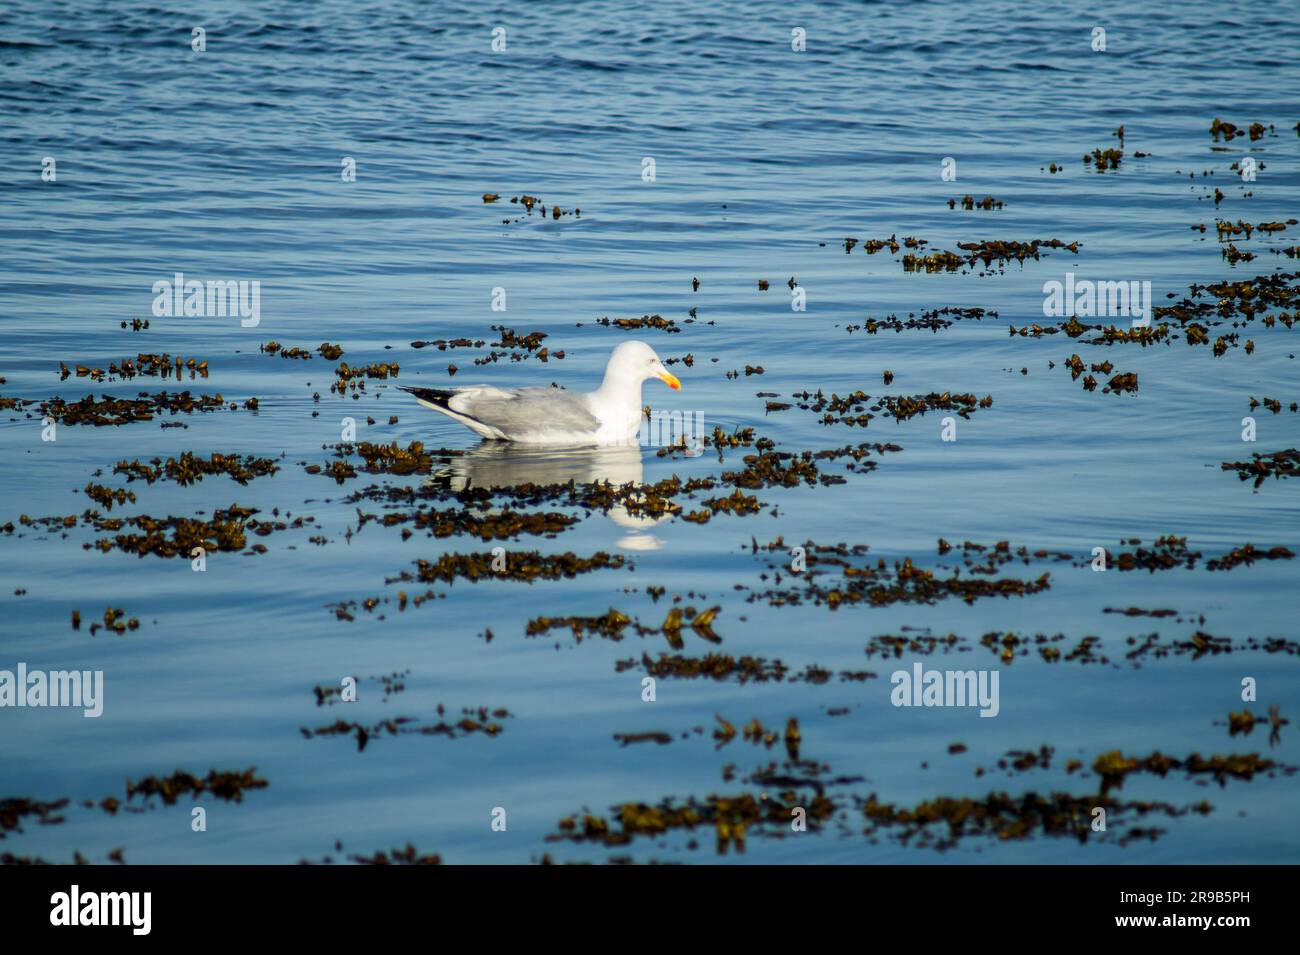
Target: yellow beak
[[670, 380]]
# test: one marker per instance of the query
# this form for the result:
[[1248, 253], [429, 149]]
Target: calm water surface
[[226, 164]]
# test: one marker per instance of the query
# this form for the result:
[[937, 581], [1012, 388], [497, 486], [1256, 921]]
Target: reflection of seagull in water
[[552, 416], [496, 465]]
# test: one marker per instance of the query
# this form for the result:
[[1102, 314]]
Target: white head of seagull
[[630, 365], [609, 415]]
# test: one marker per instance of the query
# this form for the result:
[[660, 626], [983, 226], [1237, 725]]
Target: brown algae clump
[[499, 525], [179, 536], [1103, 159], [1261, 467], [13, 811], [1114, 766], [106, 410], [405, 856], [970, 203], [517, 565], [731, 818], [225, 785], [190, 469], [472, 721]]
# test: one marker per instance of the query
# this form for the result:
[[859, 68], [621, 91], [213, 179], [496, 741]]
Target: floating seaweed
[[970, 203], [190, 469], [1261, 467], [408, 855], [612, 624], [106, 497], [14, 810], [882, 584], [499, 525], [655, 736], [105, 410], [379, 459], [1248, 554], [941, 823], [275, 348], [115, 619], [146, 364], [1230, 131], [1114, 767], [731, 817], [530, 203], [1103, 159], [645, 321], [443, 344], [226, 785], [859, 408], [472, 721], [515, 565], [227, 530]]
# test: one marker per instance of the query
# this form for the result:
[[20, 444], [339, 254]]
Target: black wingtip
[[436, 396]]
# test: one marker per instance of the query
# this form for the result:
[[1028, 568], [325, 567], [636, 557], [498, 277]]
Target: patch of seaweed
[[190, 469], [226, 785], [473, 720], [106, 411], [515, 565], [1261, 467]]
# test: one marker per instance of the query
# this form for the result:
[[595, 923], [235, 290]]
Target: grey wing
[[523, 410]]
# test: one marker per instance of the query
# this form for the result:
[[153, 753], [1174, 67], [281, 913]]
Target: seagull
[[609, 415]]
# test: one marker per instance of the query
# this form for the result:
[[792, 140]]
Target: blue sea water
[[227, 164]]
